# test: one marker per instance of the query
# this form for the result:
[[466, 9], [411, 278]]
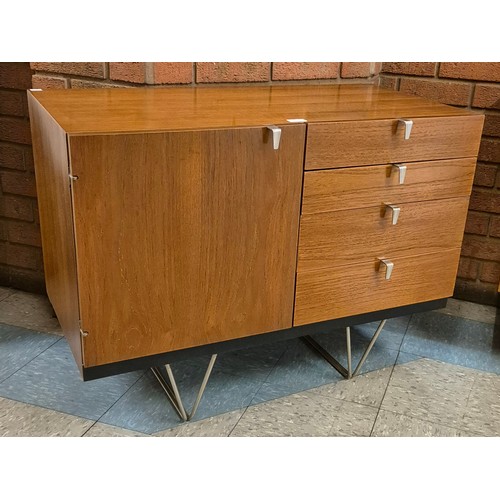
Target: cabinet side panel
[[56, 221], [184, 238]]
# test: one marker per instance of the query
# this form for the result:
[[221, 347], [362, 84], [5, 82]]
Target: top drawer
[[370, 142]]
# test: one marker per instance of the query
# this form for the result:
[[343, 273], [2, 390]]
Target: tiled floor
[[431, 374]]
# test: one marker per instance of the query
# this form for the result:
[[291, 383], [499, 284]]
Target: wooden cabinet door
[[184, 238]]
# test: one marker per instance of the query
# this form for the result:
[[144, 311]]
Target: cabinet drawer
[[360, 288], [357, 187], [339, 238], [369, 142]]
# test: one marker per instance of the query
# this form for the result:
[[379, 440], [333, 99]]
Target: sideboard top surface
[[132, 110]]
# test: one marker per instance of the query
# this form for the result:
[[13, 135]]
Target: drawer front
[[360, 288], [350, 236], [347, 188], [369, 142]]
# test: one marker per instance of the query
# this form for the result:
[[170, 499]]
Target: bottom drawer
[[360, 288]]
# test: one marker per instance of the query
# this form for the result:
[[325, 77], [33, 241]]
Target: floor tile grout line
[[28, 362], [383, 396], [236, 424]]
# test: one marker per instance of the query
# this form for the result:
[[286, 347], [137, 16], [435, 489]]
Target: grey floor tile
[[353, 420], [5, 292], [482, 415], [218, 426], [24, 420], [29, 310], [390, 424], [300, 414], [429, 390], [52, 380], [306, 414], [470, 310], [18, 346], [368, 389], [146, 408], [104, 430], [453, 340]]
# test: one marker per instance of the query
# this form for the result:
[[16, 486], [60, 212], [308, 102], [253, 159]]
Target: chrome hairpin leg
[[171, 390], [346, 373]]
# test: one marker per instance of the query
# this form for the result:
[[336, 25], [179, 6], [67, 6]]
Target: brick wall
[[474, 86], [20, 248]]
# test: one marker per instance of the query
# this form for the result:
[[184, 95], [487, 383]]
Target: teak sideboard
[[180, 219]]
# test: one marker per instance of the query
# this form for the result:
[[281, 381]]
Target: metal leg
[[170, 388], [328, 357]]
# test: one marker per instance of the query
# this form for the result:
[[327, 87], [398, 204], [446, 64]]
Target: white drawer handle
[[402, 171], [395, 212], [276, 131], [408, 126], [389, 266]]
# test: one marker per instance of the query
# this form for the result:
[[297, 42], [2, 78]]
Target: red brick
[[16, 208], [487, 96], [485, 175], [93, 69], [169, 72], [305, 70], [490, 272], [212, 72], [355, 70], [49, 82], [468, 268], [485, 201], [13, 102], [128, 71], [15, 75], [11, 157], [13, 129], [442, 91], [26, 233], [489, 150], [377, 68], [481, 247], [389, 82], [23, 279], [94, 84], [409, 68], [20, 255], [489, 71], [492, 125], [18, 183], [477, 223], [495, 227], [29, 162]]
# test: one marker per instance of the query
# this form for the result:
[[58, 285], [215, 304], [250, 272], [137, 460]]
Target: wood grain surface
[[343, 144], [345, 237], [358, 187], [86, 111], [360, 288], [56, 222], [184, 238]]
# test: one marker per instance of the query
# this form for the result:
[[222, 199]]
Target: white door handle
[[402, 171], [395, 212], [389, 266], [276, 131], [408, 124]]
